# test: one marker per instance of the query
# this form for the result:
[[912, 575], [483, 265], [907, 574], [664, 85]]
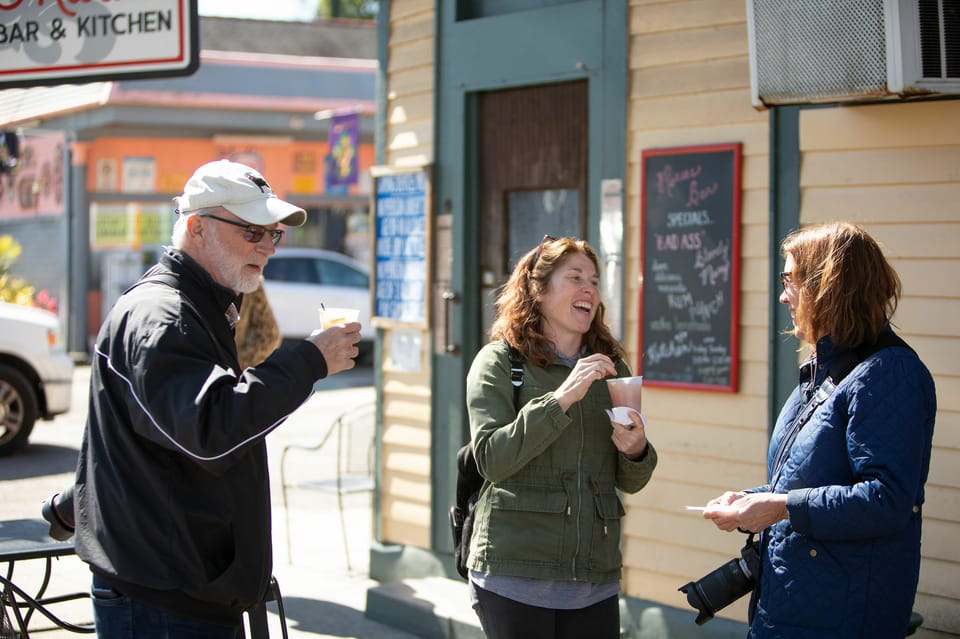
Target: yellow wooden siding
[[405, 497], [888, 167], [882, 126], [415, 54], [405, 454], [688, 46], [887, 202], [405, 466], [410, 108], [949, 417], [404, 10], [654, 81], [695, 14], [409, 75], [689, 84], [893, 169]]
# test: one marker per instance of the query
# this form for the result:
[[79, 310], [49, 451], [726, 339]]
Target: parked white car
[[36, 374], [298, 280]]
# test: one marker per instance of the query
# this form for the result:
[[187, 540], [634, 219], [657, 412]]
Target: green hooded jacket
[[549, 507]]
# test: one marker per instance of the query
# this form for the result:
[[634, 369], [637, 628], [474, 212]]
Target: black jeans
[[504, 618]]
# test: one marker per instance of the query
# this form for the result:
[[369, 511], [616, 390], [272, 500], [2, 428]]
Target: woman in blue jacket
[[842, 512]]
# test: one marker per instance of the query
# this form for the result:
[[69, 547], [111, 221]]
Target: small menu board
[[690, 243], [401, 223]]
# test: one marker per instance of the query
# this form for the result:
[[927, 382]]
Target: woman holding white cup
[[544, 555]]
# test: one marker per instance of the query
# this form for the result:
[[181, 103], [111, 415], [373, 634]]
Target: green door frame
[[572, 41], [784, 126]]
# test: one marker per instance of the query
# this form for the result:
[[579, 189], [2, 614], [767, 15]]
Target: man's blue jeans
[[119, 617]]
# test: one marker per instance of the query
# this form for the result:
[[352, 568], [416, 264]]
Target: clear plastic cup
[[625, 391], [335, 316]]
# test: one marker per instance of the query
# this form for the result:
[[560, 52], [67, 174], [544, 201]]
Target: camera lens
[[724, 585], [58, 511]]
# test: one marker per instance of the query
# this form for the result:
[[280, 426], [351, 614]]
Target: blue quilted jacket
[[845, 564]]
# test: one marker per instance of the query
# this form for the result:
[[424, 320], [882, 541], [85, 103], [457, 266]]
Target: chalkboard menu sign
[[690, 242], [401, 216]]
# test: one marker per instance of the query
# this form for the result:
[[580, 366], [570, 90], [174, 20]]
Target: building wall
[[890, 167], [893, 169], [410, 76], [689, 84], [405, 495]]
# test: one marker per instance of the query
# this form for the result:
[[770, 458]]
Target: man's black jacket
[[172, 494]]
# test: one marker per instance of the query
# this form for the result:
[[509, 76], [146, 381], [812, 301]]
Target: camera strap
[[847, 362], [822, 394]]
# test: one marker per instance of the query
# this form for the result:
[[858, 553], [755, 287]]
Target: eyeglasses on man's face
[[251, 232]]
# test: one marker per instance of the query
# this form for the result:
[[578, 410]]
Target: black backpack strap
[[516, 374], [470, 481]]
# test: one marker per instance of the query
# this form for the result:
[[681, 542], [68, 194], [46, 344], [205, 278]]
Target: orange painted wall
[[292, 168]]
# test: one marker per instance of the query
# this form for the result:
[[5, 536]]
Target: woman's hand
[[747, 511], [585, 372], [631, 440]]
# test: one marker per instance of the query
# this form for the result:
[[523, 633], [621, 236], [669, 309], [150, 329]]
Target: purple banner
[[342, 158]]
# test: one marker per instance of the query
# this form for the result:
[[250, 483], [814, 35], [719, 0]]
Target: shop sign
[[131, 225], [46, 42], [36, 188]]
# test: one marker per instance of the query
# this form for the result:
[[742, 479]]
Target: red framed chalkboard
[[690, 267]]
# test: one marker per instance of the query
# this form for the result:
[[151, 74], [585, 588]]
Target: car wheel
[[18, 410]]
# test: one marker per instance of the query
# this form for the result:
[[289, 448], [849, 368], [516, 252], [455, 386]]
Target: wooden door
[[533, 175]]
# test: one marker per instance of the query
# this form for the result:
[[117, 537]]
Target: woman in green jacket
[[545, 551]]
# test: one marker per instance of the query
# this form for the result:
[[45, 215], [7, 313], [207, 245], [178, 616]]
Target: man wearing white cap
[[172, 494]]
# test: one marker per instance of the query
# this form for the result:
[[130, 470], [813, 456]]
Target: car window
[[291, 269], [338, 274]]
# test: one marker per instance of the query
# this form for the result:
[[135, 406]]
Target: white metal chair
[[351, 477]]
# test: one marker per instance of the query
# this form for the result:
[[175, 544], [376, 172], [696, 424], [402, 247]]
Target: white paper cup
[[625, 391], [335, 316]]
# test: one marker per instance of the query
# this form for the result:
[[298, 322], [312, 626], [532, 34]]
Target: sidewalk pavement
[[321, 596]]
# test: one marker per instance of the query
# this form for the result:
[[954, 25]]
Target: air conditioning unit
[[809, 51]]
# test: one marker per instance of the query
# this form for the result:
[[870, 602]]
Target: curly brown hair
[[519, 319], [846, 287]]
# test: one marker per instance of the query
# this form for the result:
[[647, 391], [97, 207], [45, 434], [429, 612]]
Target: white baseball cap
[[239, 189]]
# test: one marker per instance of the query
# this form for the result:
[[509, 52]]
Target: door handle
[[449, 299]]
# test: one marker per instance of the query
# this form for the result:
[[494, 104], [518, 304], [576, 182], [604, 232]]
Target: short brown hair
[[519, 320], [847, 289]]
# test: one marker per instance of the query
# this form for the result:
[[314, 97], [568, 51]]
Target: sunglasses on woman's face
[[251, 232]]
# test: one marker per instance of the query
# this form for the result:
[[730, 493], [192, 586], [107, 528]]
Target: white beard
[[229, 269]]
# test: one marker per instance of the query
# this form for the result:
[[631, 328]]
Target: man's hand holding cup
[[338, 337]]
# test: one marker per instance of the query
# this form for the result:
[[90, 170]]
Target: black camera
[[721, 587]]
